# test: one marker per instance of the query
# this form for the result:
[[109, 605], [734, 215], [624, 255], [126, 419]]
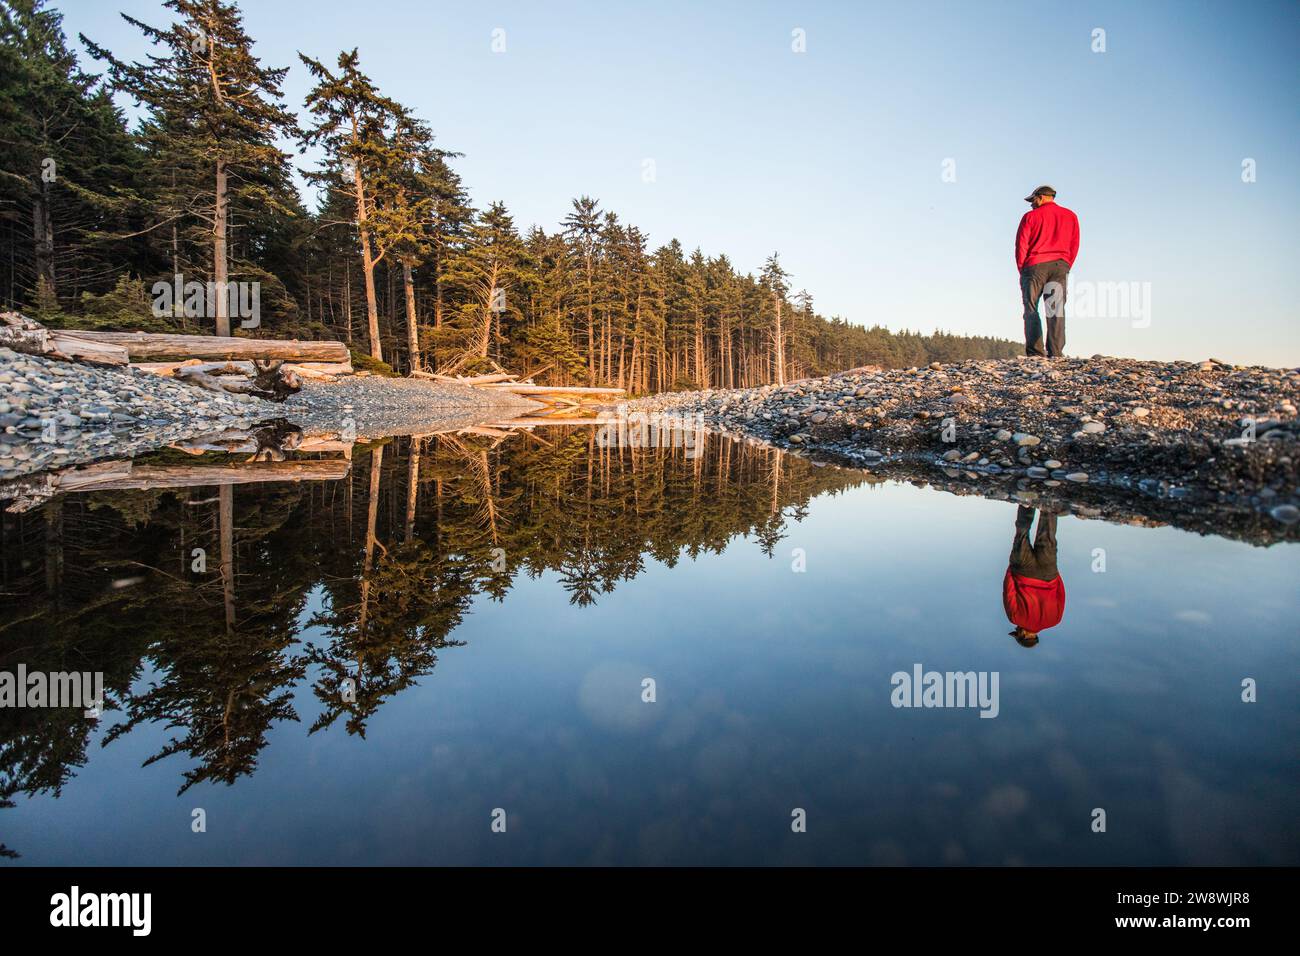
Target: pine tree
[[775, 282], [215, 115], [66, 161], [424, 187], [485, 269], [356, 125], [582, 229]]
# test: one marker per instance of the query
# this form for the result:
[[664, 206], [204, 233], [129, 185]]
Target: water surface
[[498, 603]]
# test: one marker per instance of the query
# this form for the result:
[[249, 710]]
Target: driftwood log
[[150, 347], [565, 395], [319, 371], [24, 494], [270, 380], [575, 390], [28, 336], [186, 476]]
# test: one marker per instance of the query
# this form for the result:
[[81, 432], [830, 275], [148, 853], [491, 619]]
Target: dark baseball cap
[[1041, 191]]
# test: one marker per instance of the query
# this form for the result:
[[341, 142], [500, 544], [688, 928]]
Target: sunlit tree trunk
[[220, 260], [412, 328], [368, 266], [778, 345]]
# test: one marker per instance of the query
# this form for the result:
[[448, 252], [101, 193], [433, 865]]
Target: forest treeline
[[394, 258]]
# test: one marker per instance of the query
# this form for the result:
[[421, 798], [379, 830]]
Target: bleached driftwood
[[157, 347], [567, 395], [271, 380], [28, 493], [313, 370], [28, 336]]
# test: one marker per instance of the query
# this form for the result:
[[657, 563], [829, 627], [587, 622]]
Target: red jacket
[[1046, 233], [1033, 604]]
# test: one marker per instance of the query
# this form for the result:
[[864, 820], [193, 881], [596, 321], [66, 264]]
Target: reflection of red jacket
[[1033, 604]]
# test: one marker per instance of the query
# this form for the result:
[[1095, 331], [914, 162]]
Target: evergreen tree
[[775, 283], [356, 124], [485, 270], [214, 118], [424, 188], [582, 229], [66, 164]]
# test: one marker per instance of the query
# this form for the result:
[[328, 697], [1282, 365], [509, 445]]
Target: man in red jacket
[[1046, 245], [1033, 594]]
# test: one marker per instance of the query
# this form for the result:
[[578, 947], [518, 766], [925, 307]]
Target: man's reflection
[[1032, 591]]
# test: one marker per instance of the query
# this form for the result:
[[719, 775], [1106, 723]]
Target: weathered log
[[473, 381], [28, 336], [27, 341], [276, 380], [327, 444], [561, 391], [507, 382], [169, 369], [147, 346], [486, 379], [273, 381], [186, 476], [523, 388], [538, 371], [322, 368], [16, 320], [33, 491], [230, 439], [79, 347], [312, 370], [311, 374], [226, 384]]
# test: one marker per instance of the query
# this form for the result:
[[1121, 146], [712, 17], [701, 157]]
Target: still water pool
[[627, 656]]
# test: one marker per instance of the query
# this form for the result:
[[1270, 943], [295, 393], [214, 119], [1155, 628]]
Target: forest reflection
[[210, 608]]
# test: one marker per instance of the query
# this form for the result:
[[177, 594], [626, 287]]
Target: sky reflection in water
[[773, 686]]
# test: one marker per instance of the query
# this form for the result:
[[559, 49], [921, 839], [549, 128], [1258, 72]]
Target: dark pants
[[1046, 280], [1038, 560]]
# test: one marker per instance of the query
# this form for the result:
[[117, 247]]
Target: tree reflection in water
[[301, 582]]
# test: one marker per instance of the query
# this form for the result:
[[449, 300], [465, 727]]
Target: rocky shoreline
[[393, 405], [1209, 446], [1205, 446], [54, 414]]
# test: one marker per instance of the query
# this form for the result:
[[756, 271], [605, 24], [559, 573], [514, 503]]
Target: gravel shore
[[1191, 434], [54, 414], [1202, 445], [389, 406]]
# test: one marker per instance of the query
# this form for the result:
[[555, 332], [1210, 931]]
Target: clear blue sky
[[834, 156]]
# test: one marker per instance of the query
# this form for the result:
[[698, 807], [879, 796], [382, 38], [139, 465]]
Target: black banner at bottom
[[337, 905]]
